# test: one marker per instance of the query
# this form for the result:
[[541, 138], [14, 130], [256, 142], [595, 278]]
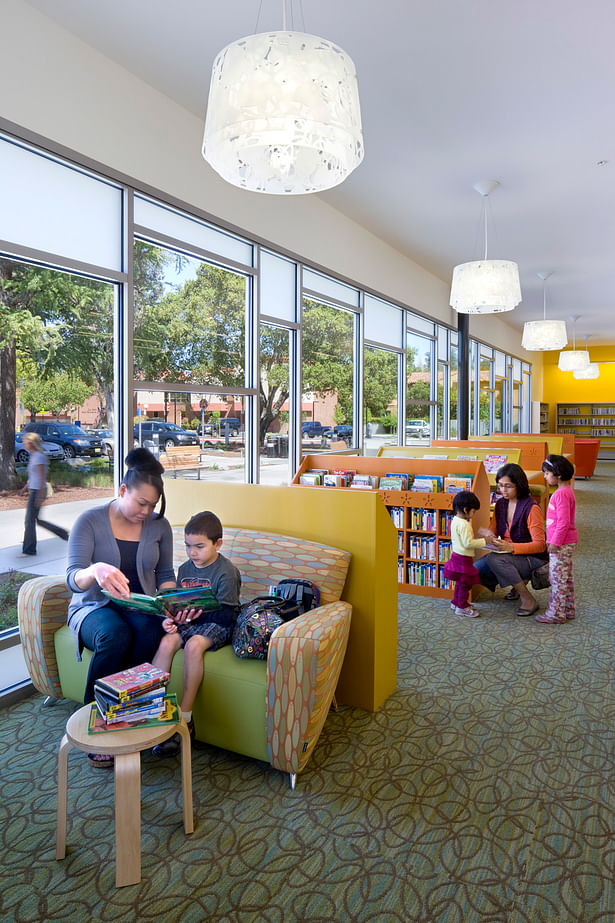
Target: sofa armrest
[[303, 666], [42, 606]]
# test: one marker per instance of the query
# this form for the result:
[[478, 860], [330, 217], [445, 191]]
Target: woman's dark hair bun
[[143, 460]]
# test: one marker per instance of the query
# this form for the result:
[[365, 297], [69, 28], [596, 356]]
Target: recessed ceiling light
[[602, 163]]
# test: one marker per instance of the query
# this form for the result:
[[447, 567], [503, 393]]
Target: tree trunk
[[8, 391]]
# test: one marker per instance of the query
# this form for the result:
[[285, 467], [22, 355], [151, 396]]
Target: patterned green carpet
[[483, 790]]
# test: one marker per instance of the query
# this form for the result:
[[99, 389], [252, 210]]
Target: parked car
[[313, 428], [211, 428], [168, 433], [417, 428], [342, 431], [52, 451], [107, 438], [73, 440]]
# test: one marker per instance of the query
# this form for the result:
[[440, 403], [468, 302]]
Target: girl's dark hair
[[205, 523], [144, 468], [559, 466], [464, 501], [517, 475]]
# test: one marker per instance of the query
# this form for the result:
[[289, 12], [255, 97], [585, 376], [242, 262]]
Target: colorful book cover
[[126, 683], [171, 715], [388, 482], [110, 707], [493, 462], [168, 601]]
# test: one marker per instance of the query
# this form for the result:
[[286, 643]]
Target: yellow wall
[[353, 520], [560, 387]]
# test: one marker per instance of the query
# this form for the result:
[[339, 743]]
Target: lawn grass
[[10, 583]]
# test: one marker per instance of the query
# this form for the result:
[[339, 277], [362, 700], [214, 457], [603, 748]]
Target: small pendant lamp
[[485, 286], [592, 370], [283, 115], [544, 334], [573, 360]]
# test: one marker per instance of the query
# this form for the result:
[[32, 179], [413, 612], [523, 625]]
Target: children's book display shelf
[[595, 421], [422, 520]]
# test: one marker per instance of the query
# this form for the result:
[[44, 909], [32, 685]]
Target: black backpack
[[299, 596]]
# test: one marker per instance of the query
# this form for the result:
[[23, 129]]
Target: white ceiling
[[452, 92]]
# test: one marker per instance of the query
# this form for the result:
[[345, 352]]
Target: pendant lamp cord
[[544, 299], [485, 217], [283, 15]]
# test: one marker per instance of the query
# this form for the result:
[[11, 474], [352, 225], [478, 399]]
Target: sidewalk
[[51, 551]]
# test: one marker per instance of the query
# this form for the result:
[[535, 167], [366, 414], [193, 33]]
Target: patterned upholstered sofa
[[271, 711]]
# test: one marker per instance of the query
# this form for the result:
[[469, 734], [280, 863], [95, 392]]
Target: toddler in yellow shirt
[[461, 568]]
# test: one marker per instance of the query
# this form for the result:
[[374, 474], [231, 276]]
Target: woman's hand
[[502, 545], [187, 615], [111, 579]]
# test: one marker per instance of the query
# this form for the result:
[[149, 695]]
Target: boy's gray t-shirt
[[224, 579]]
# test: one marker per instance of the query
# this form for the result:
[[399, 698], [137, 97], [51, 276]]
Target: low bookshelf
[[590, 421], [422, 520]]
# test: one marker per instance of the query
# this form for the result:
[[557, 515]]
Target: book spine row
[[445, 550], [423, 520], [421, 574], [421, 548], [397, 514], [446, 520]]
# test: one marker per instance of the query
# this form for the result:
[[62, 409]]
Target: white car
[[417, 428]]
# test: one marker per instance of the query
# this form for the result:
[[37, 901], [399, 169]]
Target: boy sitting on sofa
[[195, 632]]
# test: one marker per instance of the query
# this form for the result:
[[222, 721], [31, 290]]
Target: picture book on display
[[168, 602], [150, 703], [169, 715], [493, 462], [129, 683]]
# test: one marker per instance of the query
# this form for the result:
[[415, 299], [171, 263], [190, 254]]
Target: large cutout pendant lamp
[[283, 114], [544, 334], [573, 360], [592, 370], [485, 286]]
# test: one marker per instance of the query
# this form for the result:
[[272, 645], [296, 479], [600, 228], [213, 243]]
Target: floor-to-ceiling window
[[419, 385]]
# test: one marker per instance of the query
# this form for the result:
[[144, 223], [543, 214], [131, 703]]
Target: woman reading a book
[[121, 547], [516, 534]]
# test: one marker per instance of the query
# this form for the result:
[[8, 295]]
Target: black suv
[[312, 428], [73, 439], [211, 428], [343, 431], [168, 433]]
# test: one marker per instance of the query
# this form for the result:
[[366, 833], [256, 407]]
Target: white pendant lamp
[[592, 370], [485, 286], [544, 334], [573, 360], [283, 114]]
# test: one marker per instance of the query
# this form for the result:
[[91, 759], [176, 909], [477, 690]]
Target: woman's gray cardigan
[[92, 541]]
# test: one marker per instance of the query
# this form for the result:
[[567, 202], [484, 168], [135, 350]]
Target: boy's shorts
[[219, 634]]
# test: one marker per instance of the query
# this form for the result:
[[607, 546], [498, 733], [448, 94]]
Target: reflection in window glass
[[379, 398], [327, 356], [211, 423], [442, 394], [484, 406], [274, 394], [189, 319], [454, 383], [498, 406], [418, 393], [278, 287]]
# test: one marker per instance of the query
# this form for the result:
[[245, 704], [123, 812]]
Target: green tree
[[379, 381], [24, 305], [327, 336]]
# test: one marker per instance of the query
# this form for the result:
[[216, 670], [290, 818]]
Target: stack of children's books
[[365, 481], [427, 483], [392, 480], [454, 483], [132, 698]]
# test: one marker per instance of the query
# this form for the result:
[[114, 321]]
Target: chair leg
[[186, 752], [48, 701], [292, 778], [65, 746]]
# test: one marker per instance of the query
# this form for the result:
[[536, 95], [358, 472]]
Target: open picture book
[[168, 602]]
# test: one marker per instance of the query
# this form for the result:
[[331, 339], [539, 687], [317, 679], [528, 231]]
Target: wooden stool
[[126, 747]]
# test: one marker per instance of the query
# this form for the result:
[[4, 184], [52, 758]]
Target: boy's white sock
[[187, 716]]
